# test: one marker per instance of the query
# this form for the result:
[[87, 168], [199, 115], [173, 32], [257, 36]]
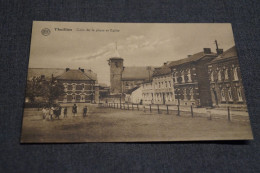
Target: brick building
[[190, 78], [225, 80], [79, 86]]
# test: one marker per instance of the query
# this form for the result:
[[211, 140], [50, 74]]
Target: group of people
[[55, 111]]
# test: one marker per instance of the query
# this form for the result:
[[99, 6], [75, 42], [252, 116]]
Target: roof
[[137, 73], [74, 75], [47, 72], [230, 53], [192, 58], [132, 90], [56, 72], [164, 70]]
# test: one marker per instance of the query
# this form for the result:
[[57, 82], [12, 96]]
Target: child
[[85, 110], [65, 112], [74, 110]]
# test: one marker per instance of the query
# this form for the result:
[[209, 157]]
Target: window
[[226, 74], [239, 94], [219, 75], [159, 84], [235, 73], [170, 84], [73, 97], [73, 87], [223, 98], [166, 84], [230, 97], [65, 87], [212, 76], [82, 97]]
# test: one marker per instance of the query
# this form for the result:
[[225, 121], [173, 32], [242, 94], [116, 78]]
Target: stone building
[[163, 86], [190, 78], [225, 80], [79, 86]]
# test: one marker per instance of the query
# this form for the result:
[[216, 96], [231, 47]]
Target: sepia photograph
[[133, 82]]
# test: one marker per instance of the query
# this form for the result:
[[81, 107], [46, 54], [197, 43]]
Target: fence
[[177, 110]]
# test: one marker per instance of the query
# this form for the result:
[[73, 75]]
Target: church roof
[[137, 73], [75, 75]]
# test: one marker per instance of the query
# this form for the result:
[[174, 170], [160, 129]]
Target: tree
[[47, 90]]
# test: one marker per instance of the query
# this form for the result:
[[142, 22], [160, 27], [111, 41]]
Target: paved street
[[107, 124]]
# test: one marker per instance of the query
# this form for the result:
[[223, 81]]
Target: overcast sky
[[138, 44]]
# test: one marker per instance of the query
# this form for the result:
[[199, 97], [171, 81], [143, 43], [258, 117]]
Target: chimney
[[207, 50], [165, 63], [219, 51], [189, 56], [67, 69], [82, 70]]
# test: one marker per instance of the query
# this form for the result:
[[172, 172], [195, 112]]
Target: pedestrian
[[51, 112], [44, 111], [85, 110], [74, 110], [65, 112]]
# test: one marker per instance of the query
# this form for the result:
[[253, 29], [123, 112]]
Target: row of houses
[[203, 79]]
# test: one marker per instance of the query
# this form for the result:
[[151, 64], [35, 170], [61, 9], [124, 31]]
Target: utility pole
[[216, 42]]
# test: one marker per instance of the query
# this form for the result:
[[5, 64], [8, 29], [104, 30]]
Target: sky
[[90, 45]]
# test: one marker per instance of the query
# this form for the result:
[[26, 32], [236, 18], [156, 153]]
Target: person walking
[[65, 112], [43, 112], [85, 110], [74, 110], [52, 112]]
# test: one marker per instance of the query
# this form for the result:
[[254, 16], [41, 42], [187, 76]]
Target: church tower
[[116, 70]]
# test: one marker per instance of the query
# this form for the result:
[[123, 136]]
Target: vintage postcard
[[133, 82]]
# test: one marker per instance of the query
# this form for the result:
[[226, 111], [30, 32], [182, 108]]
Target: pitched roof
[[164, 70], [231, 52], [137, 73], [74, 75], [192, 58], [47, 72]]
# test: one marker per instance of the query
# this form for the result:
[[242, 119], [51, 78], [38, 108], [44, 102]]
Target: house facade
[[163, 86], [190, 78], [225, 80], [79, 86]]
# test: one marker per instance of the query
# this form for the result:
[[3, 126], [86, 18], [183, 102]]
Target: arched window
[[235, 73], [212, 76], [239, 94], [226, 73]]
